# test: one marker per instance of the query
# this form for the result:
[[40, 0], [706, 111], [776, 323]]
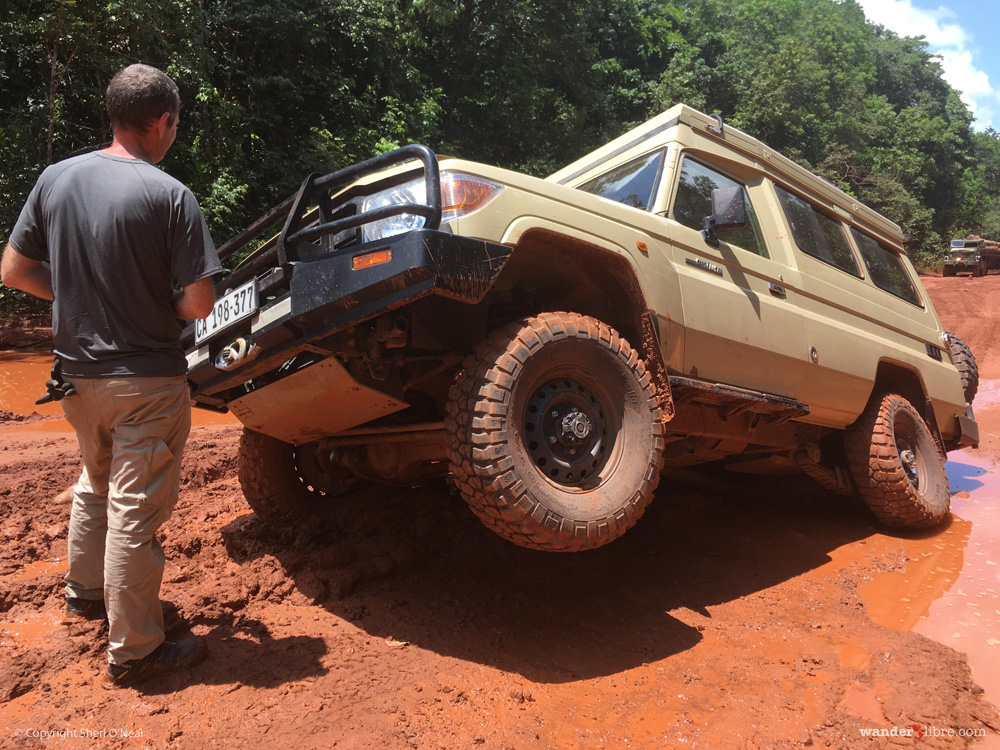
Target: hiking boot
[[84, 609], [167, 657]]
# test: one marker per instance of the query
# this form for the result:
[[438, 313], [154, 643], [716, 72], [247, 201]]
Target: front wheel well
[[550, 272]]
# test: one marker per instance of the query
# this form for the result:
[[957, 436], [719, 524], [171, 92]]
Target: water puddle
[[22, 381], [901, 599], [40, 568], [28, 630], [853, 656]]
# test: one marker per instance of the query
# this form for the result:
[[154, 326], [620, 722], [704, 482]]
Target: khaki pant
[[131, 432]]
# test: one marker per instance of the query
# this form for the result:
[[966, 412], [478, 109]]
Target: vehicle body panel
[[787, 324]]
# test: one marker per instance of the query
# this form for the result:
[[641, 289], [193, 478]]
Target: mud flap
[[968, 428]]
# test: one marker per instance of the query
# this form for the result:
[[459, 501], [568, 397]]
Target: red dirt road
[[728, 618]]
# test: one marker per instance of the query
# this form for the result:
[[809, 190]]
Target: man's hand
[[21, 272], [195, 300]]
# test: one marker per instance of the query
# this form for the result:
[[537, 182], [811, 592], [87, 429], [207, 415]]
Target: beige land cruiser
[[682, 295]]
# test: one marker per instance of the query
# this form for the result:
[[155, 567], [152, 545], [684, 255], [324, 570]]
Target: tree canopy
[[275, 90]]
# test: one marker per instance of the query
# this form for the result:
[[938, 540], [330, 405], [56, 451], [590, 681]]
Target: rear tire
[[287, 484], [896, 464], [555, 433], [961, 355]]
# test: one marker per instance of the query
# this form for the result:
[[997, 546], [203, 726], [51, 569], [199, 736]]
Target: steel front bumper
[[307, 300]]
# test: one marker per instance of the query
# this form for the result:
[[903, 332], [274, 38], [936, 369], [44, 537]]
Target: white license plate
[[229, 309]]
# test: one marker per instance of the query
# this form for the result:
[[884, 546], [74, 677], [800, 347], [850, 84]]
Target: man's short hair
[[138, 94]]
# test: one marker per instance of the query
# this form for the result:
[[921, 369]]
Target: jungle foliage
[[275, 90]]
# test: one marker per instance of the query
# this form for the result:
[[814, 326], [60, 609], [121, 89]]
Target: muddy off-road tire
[[555, 435], [948, 271], [961, 355], [896, 464], [285, 484]]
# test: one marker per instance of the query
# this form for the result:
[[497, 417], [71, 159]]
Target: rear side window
[[816, 233], [633, 184], [694, 203], [885, 267]]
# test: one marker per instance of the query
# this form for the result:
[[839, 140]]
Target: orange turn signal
[[464, 194], [371, 259]]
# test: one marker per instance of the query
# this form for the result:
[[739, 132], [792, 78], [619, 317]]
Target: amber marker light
[[371, 259], [464, 194]]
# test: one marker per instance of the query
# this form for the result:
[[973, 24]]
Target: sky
[[965, 34]]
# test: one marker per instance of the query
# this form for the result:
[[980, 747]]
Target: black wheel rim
[[566, 431]]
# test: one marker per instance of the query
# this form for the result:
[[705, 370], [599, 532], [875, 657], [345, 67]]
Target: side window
[[886, 267], [632, 184], [816, 233], [694, 203]]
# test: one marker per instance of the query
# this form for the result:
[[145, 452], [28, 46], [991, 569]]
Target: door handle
[[776, 289]]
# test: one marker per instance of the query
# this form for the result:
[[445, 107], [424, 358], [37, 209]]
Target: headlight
[[408, 192], [461, 195]]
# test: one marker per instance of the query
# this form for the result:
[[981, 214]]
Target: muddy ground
[[730, 617]]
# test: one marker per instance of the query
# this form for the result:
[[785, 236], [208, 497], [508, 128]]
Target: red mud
[[725, 619]]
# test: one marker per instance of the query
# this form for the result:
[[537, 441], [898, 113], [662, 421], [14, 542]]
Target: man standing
[[123, 251]]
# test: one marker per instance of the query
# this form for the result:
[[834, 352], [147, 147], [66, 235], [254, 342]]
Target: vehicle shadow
[[558, 617]]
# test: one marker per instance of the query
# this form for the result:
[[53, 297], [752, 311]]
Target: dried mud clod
[[10, 418]]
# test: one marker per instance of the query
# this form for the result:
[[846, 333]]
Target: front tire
[[286, 484], [896, 464], [555, 433]]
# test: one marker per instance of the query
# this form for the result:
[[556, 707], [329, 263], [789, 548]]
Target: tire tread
[[878, 473], [478, 451], [266, 473], [968, 369]]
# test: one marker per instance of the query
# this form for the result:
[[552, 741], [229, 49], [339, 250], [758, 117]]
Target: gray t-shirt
[[120, 236]]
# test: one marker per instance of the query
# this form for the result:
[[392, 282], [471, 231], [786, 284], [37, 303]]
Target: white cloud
[[948, 39], [962, 74]]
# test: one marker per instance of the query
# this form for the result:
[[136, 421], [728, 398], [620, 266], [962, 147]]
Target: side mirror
[[729, 211]]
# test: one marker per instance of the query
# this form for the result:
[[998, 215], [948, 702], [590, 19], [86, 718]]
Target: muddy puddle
[[22, 382]]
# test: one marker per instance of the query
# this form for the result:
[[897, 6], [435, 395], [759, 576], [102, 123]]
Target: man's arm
[[21, 272], [195, 300]]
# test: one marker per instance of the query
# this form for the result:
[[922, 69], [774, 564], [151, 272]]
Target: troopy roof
[[657, 131]]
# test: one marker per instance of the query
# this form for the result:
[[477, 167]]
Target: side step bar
[[733, 401]]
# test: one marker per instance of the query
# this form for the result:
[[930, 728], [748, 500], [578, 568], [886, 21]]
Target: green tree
[[272, 91]]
